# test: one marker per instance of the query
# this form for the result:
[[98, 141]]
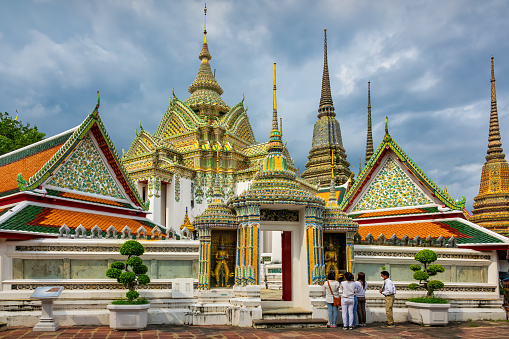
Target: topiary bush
[[132, 273], [426, 257]]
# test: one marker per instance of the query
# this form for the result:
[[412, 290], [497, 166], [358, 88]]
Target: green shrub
[[132, 273], [429, 300], [426, 257]]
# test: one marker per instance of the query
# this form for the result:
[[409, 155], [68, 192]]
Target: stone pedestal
[[211, 309], [246, 306], [318, 305], [47, 322]]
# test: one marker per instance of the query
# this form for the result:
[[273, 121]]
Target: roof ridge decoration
[[494, 140], [205, 90], [387, 144], [369, 138], [93, 119]]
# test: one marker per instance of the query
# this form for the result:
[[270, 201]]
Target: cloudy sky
[[428, 63]]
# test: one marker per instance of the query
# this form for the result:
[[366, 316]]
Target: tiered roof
[[393, 199], [74, 179]]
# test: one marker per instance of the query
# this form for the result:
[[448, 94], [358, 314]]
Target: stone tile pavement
[[476, 329]]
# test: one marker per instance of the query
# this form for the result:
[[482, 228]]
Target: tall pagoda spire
[[491, 205], [369, 139], [326, 105], [326, 137], [494, 142], [205, 92], [275, 139]]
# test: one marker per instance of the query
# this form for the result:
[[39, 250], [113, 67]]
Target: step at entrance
[[288, 317]]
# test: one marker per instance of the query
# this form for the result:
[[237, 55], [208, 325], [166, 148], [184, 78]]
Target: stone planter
[[128, 317], [428, 314]]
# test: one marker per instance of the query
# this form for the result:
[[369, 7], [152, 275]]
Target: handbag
[[336, 300]]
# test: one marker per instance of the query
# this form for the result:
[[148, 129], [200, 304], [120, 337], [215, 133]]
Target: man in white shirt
[[388, 290]]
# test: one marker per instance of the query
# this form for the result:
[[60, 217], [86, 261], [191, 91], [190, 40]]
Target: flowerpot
[[128, 317], [428, 314]]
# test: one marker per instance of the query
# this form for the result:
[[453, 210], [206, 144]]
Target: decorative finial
[[386, 127], [369, 138], [16, 118], [494, 140], [141, 127], [173, 92], [387, 136], [205, 25], [274, 104], [360, 166], [96, 109], [243, 97]]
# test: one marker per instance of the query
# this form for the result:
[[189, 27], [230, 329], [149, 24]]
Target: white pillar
[[276, 246], [154, 196]]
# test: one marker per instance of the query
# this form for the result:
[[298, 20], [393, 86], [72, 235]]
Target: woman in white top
[[331, 287], [347, 300], [361, 298]]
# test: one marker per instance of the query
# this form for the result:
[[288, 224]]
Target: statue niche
[[335, 253], [223, 245]]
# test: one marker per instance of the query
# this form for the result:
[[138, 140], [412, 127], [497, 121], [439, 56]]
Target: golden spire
[[205, 26], [332, 163], [274, 104], [494, 142]]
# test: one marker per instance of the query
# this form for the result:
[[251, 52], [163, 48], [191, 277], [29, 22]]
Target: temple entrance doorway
[[277, 277]]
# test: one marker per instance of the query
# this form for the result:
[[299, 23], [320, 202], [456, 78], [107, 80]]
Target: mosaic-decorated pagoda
[[175, 167], [326, 138], [72, 185], [491, 205]]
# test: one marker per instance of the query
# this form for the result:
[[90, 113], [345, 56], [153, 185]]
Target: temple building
[[175, 167], [491, 205], [226, 221]]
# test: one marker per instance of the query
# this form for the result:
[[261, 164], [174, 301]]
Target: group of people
[[353, 298]]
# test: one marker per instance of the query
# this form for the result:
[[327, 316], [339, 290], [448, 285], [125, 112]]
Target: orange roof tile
[[56, 218], [27, 167], [325, 195], [423, 229]]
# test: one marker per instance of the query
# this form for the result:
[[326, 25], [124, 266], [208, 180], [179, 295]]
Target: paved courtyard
[[481, 329]]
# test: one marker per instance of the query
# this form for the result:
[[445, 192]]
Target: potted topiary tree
[[130, 313], [428, 310]]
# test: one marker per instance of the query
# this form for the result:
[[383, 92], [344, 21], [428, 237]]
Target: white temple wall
[[466, 270]]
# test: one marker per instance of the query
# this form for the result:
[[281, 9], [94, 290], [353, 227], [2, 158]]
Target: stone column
[[204, 259]]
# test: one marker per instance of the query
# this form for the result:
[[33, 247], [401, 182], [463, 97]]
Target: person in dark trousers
[[389, 292], [331, 287], [361, 298]]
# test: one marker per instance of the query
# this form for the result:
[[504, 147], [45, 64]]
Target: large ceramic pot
[[128, 317], [428, 314]]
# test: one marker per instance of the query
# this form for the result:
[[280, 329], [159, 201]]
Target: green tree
[[130, 279], [14, 135], [426, 257]]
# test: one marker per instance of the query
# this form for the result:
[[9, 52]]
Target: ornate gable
[[407, 166], [85, 170], [391, 187], [179, 118]]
